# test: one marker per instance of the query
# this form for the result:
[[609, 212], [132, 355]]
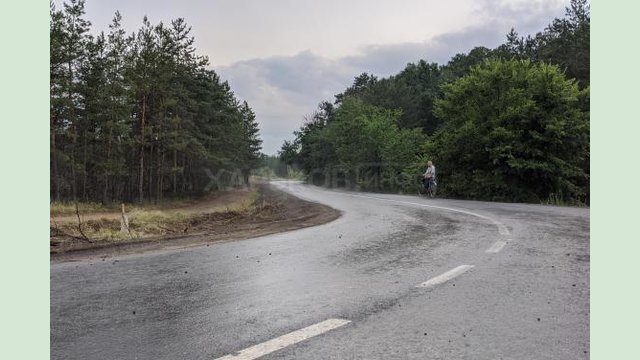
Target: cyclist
[[429, 176]]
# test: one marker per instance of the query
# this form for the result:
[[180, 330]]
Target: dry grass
[[65, 208], [177, 218], [69, 208]]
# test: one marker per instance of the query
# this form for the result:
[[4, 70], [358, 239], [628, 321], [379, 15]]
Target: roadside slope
[[273, 211]]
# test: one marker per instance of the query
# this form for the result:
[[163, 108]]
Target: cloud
[[282, 90]]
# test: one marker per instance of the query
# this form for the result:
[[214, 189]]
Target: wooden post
[[124, 222]]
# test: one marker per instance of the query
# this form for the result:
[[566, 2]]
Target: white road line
[[496, 247], [440, 279], [283, 341], [501, 228]]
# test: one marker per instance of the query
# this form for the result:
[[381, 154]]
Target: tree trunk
[[54, 160], [74, 132], [73, 164], [150, 187], [84, 164], [105, 193], [175, 175], [141, 177], [159, 158], [245, 175]]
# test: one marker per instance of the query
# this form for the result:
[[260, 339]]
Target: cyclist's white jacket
[[430, 173]]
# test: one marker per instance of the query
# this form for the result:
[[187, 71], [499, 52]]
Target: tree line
[[136, 117], [509, 124]]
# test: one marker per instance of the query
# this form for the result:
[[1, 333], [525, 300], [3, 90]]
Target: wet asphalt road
[[529, 300]]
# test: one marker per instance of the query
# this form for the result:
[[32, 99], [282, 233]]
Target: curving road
[[396, 277]]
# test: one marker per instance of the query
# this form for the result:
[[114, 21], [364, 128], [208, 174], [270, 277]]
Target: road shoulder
[[277, 212]]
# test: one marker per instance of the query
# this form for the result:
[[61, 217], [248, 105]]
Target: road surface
[[396, 277]]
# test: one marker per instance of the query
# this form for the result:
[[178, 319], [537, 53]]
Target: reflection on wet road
[[528, 300]]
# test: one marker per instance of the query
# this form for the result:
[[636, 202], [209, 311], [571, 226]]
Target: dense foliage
[[513, 130], [510, 123], [140, 116], [357, 145]]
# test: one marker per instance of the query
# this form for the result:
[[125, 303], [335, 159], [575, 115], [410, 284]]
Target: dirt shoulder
[[272, 211]]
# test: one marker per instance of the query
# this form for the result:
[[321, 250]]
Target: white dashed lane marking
[[440, 279], [283, 341], [496, 247]]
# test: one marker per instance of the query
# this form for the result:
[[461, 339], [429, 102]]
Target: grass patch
[[158, 222], [557, 199], [63, 208], [86, 208], [174, 218], [69, 208]]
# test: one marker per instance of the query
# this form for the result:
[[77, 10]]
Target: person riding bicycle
[[429, 176]]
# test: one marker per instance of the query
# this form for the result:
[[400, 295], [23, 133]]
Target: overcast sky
[[285, 56]]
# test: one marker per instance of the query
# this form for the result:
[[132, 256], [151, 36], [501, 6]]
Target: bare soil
[[274, 211]]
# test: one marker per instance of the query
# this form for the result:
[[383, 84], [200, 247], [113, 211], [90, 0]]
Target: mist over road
[[396, 277]]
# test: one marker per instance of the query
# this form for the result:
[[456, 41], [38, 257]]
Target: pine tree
[[138, 117]]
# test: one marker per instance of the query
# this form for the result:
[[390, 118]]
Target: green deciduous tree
[[508, 123], [357, 145], [513, 130]]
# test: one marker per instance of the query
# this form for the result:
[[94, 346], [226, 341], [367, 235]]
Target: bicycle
[[427, 188], [431, 188]]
